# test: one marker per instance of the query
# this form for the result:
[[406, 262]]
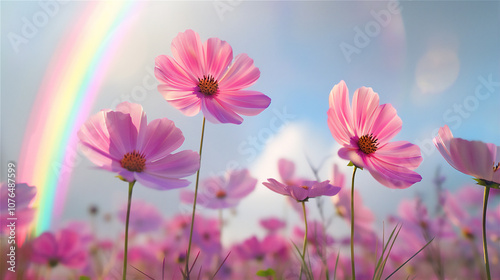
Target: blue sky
[[436, 62]]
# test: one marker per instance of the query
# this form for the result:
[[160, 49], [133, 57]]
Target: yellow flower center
[[208, 85], [368, 144], [305, 187], [133, 161]]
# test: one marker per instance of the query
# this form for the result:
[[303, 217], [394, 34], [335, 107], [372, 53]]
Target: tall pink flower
[[365, 129], [223, 192], [122, 141], [64, 247], [303, 191], [475, 158], [144, 216], [200, 76]]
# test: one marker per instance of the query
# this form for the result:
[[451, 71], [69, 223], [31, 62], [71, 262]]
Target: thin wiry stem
[[485, 246], [130, 188], [305, 237], [353, 269], [194, 202]]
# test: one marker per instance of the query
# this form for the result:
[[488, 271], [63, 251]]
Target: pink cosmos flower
[[22, 194], [365, 130], [304, 191], [272, 224], [122, 141], [475, 158], [207, 235], [200, 76], [144, 217], [64, 248], [269, 247], [223, 192]]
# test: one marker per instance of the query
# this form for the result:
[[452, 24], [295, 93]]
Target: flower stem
[[485, 246], [194, 202], [305, 239], [130, 187], [352, 224]]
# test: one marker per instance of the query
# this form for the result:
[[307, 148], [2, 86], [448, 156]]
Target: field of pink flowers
[[458, 238]]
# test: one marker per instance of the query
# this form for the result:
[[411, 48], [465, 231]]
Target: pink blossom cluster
[[158, 243]]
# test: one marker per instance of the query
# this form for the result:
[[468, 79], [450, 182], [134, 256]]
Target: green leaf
[[121, 178], [352, 164], [421, 249], [487, 184], [84, 278], [266, 273]]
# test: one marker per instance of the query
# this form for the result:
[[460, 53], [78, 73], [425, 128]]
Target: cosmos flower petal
[[323, 188], [160, 138], [122, 132], [187, 49], [401, 153], [43, 247], [127, 175], [286, 169], [188, 102], [390, 175], [340, 114], [474, 158], [245, 102], [241, 74], [240, 183], [215, 112], [442, 142], [159, 182], [95, 141], [298, 193], [386, 123], [169, 71], [276, 186], [137, 115], [66, 242], [365, 103], [353, 155], [219, 55], [181, 164], [77, 259]]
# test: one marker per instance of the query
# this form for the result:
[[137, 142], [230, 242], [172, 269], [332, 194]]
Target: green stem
[[130, 187], [485, 246], [305, 239], [194, 202], [352, 225]]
